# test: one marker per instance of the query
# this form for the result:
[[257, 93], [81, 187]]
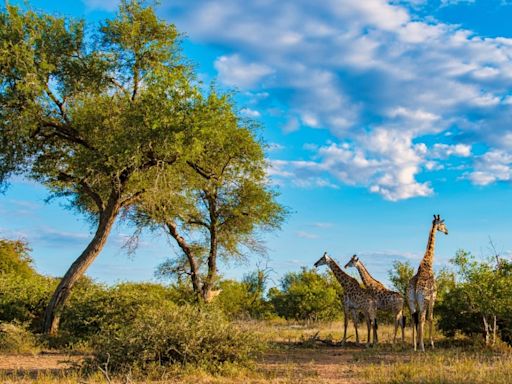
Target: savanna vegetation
[[114, 122]]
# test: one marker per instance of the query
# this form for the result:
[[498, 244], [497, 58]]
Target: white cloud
[[250, 112], [442, 151], [306, 235], [494, 165], [372, 66], [234, 71], [388, 167]]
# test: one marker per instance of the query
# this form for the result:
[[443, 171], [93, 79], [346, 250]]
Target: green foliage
[[16, 338], [307, 295], [225, 200], [242, 300], [23, 292], [24, 299], [483, 290], [93, 307], [14, 258], [174, 335], [400, 275]]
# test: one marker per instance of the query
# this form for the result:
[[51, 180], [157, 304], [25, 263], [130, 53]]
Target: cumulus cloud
[[495, 165], [234, 71], [377, 76], [442, 151], [250, 112]]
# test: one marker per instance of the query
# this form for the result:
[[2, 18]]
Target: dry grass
[[302, 353]]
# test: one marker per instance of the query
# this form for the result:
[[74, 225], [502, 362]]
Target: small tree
[[94, 117], [308, 295], [15, 258], [487, 289], [400, 275], [224, 201]]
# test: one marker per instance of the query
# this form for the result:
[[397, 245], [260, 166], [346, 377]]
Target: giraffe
[[421, 292], [355, 299], [386, 299]]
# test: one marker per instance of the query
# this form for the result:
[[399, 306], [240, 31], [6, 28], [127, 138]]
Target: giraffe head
[[439, 224], [324, 260], [353, 262]]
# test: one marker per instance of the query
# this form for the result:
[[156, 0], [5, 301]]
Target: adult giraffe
[[422, 290], [355, 299], [387, 300]]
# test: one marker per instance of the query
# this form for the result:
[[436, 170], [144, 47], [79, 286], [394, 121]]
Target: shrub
[[24, 298], [238, 300], [308, 295], [174, 335], [16, 338], [94, 306], [14, 258]]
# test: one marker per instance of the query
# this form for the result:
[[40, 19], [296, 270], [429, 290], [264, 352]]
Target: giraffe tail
[[404, 321]]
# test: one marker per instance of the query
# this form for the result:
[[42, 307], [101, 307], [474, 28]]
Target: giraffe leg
[[402, 326], [421, 328], [398, 317], [355, 320], [345, 325], [375, 335], [368, 327], [431, 322], [411, 301]]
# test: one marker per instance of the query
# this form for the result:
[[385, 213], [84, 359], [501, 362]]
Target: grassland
[[300, 353]]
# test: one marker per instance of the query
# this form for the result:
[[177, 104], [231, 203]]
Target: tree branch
[[68, 133], [86, 188], [201, 171], [59, 104], [130, 200]]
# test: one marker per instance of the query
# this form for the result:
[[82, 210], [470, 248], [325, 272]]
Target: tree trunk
[[212, 265], [194, 268], [78, 268], [494, 330], [212, 255], [486, 328]]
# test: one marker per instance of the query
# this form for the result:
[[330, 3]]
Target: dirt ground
[[296, 365]]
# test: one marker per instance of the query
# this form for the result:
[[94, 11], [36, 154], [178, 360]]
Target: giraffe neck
[[368, 279], [428, 259], [343, 278]]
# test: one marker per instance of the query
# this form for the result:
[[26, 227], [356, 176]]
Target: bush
[[94, 306], [239, 300], [308, 295], [14, 258], [24, 299], [481, 293], [173, 335], [16, 338]]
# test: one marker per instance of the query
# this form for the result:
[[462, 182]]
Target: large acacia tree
[[225, 200], [95, 116]]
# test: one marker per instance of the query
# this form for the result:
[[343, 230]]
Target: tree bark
[[212, 255], [486, 328], [78, 268], [494, 330], [194, 268]]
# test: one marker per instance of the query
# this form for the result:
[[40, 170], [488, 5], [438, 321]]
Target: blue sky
[[378, 114]]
